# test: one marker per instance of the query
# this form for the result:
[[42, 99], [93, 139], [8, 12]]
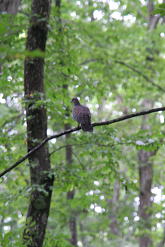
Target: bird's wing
[[81, 114]]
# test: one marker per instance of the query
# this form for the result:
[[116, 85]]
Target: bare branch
[[141, 74], [90, 61], [130, 67], [76, 129]]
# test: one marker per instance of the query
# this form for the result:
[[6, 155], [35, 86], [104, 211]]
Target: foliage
[[112, 62]]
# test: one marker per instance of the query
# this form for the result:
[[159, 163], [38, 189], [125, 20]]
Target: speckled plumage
[[82, 115]]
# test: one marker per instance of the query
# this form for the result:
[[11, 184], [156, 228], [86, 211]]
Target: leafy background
[[112, 62]]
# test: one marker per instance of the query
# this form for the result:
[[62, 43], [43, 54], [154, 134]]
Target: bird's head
[[75, 101]]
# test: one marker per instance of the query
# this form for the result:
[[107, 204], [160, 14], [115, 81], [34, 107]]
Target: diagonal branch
[[66, 132], [141, 74], [129, 67]]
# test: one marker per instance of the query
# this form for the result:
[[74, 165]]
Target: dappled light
[[82, 113]]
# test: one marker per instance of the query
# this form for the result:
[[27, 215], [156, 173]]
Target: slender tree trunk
[[82, 235], [71, 194], [72, 221], [145, 165], [68, 150], [114, 227], [152, 19], [90, 4], [36, 118], [114, 202], [163, 21], [9, 6], [145, 182]]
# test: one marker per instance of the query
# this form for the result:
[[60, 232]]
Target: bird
[[82, 115]]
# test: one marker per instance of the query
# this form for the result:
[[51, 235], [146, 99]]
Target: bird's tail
[[87, 127]]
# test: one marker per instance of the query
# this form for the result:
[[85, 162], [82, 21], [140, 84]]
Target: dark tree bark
[[36, 118], [9, 6], [90, 4]]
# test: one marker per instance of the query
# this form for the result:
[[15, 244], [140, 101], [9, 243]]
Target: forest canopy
[[61, 186]]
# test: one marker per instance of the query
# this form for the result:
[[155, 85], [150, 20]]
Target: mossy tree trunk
[[36, 117]]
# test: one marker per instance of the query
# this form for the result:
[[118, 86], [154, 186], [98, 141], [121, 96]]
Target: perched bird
[[82, 115]]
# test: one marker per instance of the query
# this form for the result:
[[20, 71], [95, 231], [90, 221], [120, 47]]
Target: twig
[[140, 73], [76, 129], [64, 146], [8, 121], [130, 67]]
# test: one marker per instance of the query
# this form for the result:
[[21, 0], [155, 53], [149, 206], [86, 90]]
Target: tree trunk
[[9, 6], [68, 149], [114, 227], [114, 202], [152, 19], [90, 5], [36, 118], [145, 165], [72, 221], [145, 181], [70, 194]]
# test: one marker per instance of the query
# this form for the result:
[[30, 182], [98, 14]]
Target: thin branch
[[67, 145], [76, 156], [76, 129], [140, 73], [13, 118], [90, 61], [130, 67], [86, 143]]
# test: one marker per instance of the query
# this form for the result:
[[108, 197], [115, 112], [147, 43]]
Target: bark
[[36, 118], [152, 19], [82, 235], [145, 164], [72, 221], [163, 18], [9, 6], [90, 4], [145, 182], [68, 149], [114, 227], [145, 177], [71, 194]]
